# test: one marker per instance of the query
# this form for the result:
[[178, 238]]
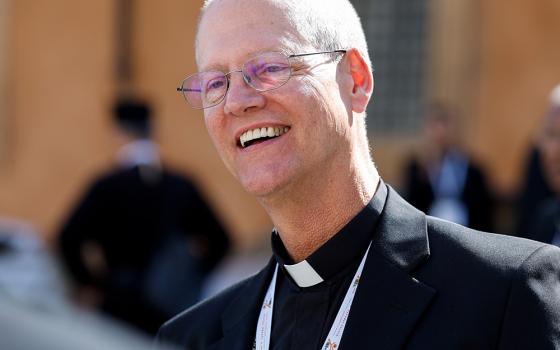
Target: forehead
[[231, 31]]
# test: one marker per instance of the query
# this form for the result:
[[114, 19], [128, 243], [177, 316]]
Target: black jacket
[[427, 284]]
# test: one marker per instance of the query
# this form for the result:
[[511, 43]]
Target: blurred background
[[63, 63]]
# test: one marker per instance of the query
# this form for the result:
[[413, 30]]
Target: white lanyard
[[264, 325]]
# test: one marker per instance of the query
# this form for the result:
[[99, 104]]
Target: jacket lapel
[[239, 320], [387, 305], [389, 301]]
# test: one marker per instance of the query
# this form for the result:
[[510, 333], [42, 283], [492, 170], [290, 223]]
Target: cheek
[[314, 108], [327, 120], [216, 131], [210, 126], [318, 102], [335, 114]]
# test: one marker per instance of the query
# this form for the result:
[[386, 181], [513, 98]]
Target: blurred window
[[396, 33]]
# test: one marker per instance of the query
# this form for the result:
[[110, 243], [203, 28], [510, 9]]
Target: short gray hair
[[325, 25]]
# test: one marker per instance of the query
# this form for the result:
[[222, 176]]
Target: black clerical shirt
[[303, 316]]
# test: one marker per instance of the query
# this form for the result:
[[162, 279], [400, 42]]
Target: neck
[[308, 215]]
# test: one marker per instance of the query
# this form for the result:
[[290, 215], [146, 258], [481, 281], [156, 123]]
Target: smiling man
[[284, 86]]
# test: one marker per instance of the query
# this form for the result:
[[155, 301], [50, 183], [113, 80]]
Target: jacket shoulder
[[517, 278], [473, 248]]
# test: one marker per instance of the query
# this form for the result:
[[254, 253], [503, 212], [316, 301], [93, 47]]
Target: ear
[[362, 80]]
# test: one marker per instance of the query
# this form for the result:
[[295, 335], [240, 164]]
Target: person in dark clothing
[[284, 86], [544, 225], [142, 238], [443, 181], [534, 190]]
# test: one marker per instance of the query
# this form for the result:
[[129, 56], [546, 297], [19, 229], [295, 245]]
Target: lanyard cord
[[264, 325]]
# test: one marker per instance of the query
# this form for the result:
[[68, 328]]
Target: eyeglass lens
[[264, 72]]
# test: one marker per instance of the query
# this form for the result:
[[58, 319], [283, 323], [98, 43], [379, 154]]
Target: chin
[[262, 187], [267, 178]]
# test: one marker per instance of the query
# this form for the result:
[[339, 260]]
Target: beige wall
[[453, 55], [63, 83], [60, 54], [519, 63], [494, 64], [5, 7]]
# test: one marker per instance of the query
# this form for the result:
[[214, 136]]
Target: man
[[539, 180], [545, 226], [154, 236], [442, 180], [354, 265]]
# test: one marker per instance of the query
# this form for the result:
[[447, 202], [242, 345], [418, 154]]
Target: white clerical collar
[[303, 274], [342, 250]]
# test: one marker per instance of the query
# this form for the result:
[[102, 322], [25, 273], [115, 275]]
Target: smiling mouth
[[251, 137]]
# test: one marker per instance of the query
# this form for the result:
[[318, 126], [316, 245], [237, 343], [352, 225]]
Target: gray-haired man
[[284, 85]]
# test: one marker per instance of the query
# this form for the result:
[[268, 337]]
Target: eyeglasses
[[265, 72]]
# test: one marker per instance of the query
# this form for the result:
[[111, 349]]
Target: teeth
[[262, 132]]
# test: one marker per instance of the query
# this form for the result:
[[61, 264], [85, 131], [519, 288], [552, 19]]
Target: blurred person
[[545, 224], [442, 180], [142, 239], [534, 190], [284, 86], [29, 274]]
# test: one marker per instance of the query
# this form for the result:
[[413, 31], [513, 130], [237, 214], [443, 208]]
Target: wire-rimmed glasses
[[265, 72]]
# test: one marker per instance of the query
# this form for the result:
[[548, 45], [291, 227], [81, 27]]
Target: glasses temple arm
[[188, 90], [317, 53]]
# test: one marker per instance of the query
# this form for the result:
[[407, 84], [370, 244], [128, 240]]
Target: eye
[[271, 68], [275, 68], [214, 84]]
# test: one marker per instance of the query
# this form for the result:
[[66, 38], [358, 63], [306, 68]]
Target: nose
[[242, 98]]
